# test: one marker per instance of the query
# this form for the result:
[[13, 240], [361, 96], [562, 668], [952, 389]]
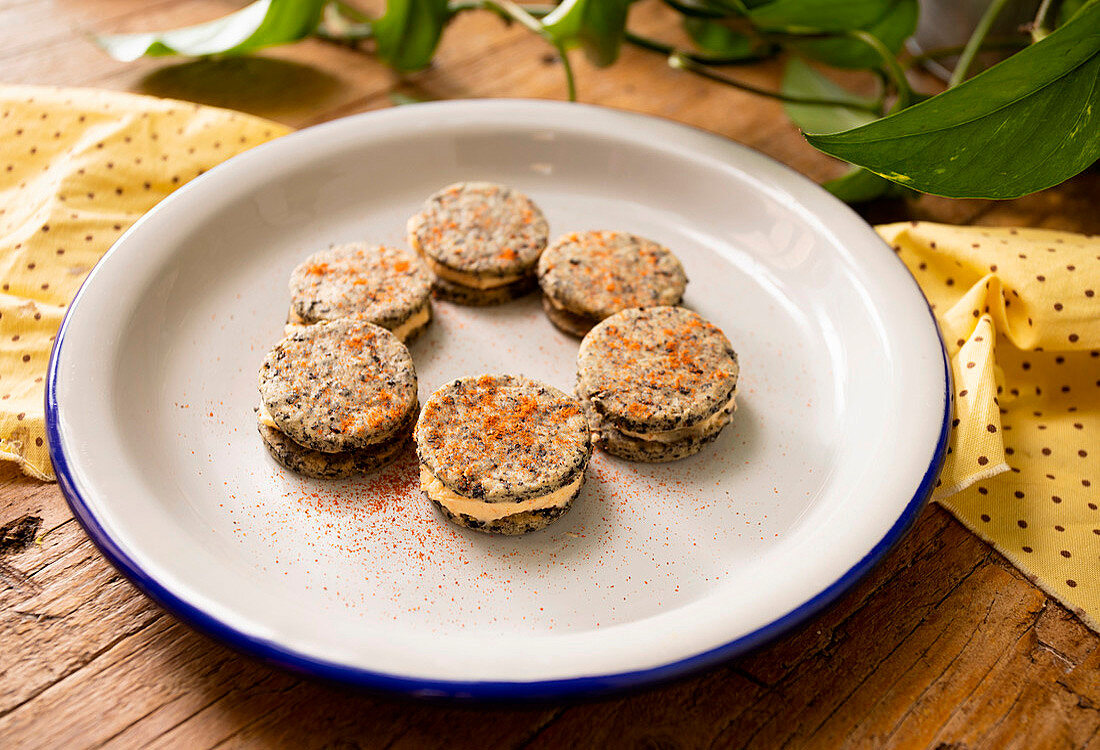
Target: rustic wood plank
[[945, 644]]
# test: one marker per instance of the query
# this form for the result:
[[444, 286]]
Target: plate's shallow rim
[[546, 689]]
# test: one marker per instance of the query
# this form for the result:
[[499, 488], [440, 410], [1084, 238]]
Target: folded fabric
[[77, 168], [1020, 315]]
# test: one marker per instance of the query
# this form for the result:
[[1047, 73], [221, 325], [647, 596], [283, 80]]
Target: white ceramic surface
[[842, 408]]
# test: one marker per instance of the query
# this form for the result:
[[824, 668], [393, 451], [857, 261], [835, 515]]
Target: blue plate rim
[[496, 691]]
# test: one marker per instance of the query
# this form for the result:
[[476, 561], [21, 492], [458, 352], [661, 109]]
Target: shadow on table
[[261, 86]]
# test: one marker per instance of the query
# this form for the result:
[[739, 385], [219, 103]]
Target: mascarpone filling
[[483, 511], [402, 331], [700, 429], [413, 323]]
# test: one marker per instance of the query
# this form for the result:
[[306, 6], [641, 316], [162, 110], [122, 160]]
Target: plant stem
[[1038, 27], [352, 12], [890, 66], [570, 84], [988, 45], [690, 10], [702, 58], [966, 59], [684, 63], [527, 16]]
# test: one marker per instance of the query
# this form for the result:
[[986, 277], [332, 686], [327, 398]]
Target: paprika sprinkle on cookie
[[481, 240], [588, 276], [501, 453], [345, 386], [659, 383], [387, 286]]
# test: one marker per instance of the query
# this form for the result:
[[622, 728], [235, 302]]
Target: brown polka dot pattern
[[1034, 342], [68, 197]]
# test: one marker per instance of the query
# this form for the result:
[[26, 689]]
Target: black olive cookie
[[658, 383], [387, 286], [481, 241], [342, 396], [588, 276], [501, 453]]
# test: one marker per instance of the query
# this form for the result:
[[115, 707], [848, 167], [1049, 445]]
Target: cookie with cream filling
[[339, 386], [588, 276], [387, 286], [502, 453], [658, 383], [480, 240]]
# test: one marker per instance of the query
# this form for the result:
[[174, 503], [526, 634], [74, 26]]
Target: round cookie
[[318, 465], [513, 525], [588, 276], [503, 454], [387, 286], [658, 383], [338, 386], [480, 236]]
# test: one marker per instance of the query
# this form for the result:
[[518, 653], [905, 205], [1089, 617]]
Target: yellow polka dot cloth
[[77, 167], [1020, 316]]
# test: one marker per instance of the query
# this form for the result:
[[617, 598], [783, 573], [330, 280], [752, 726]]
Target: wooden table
[[944, 645]]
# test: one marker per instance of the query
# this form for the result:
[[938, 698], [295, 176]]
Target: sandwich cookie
[[658, 383], [387, 286], [501, 453], [588, 276], [481, 241], [337, 398]]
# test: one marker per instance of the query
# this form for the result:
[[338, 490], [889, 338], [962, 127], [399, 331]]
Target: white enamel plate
[[657, 570]]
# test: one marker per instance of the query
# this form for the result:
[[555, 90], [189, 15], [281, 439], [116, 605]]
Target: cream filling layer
[[470, 280], [265, 418], [413, 322], [483, 511], [686, 433]]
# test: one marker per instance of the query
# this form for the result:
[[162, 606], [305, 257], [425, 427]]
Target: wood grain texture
[[943, 645]]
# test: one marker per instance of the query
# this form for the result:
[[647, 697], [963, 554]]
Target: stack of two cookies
[[658, 381], [339, 392]]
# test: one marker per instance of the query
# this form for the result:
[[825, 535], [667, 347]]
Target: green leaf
[[720, 40], [799, 79], [896, 24], [408, 32], [262, 24], [860, 186], [1025, 124], [595, 25], [818, 15], [1068, 10]]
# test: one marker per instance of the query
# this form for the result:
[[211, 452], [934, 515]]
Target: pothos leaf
[[1023, 125], [819, 15], [799, 79], [595, 25], [408, 32], [264, 23], [897, 23], [720, 40], [860, 186]]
